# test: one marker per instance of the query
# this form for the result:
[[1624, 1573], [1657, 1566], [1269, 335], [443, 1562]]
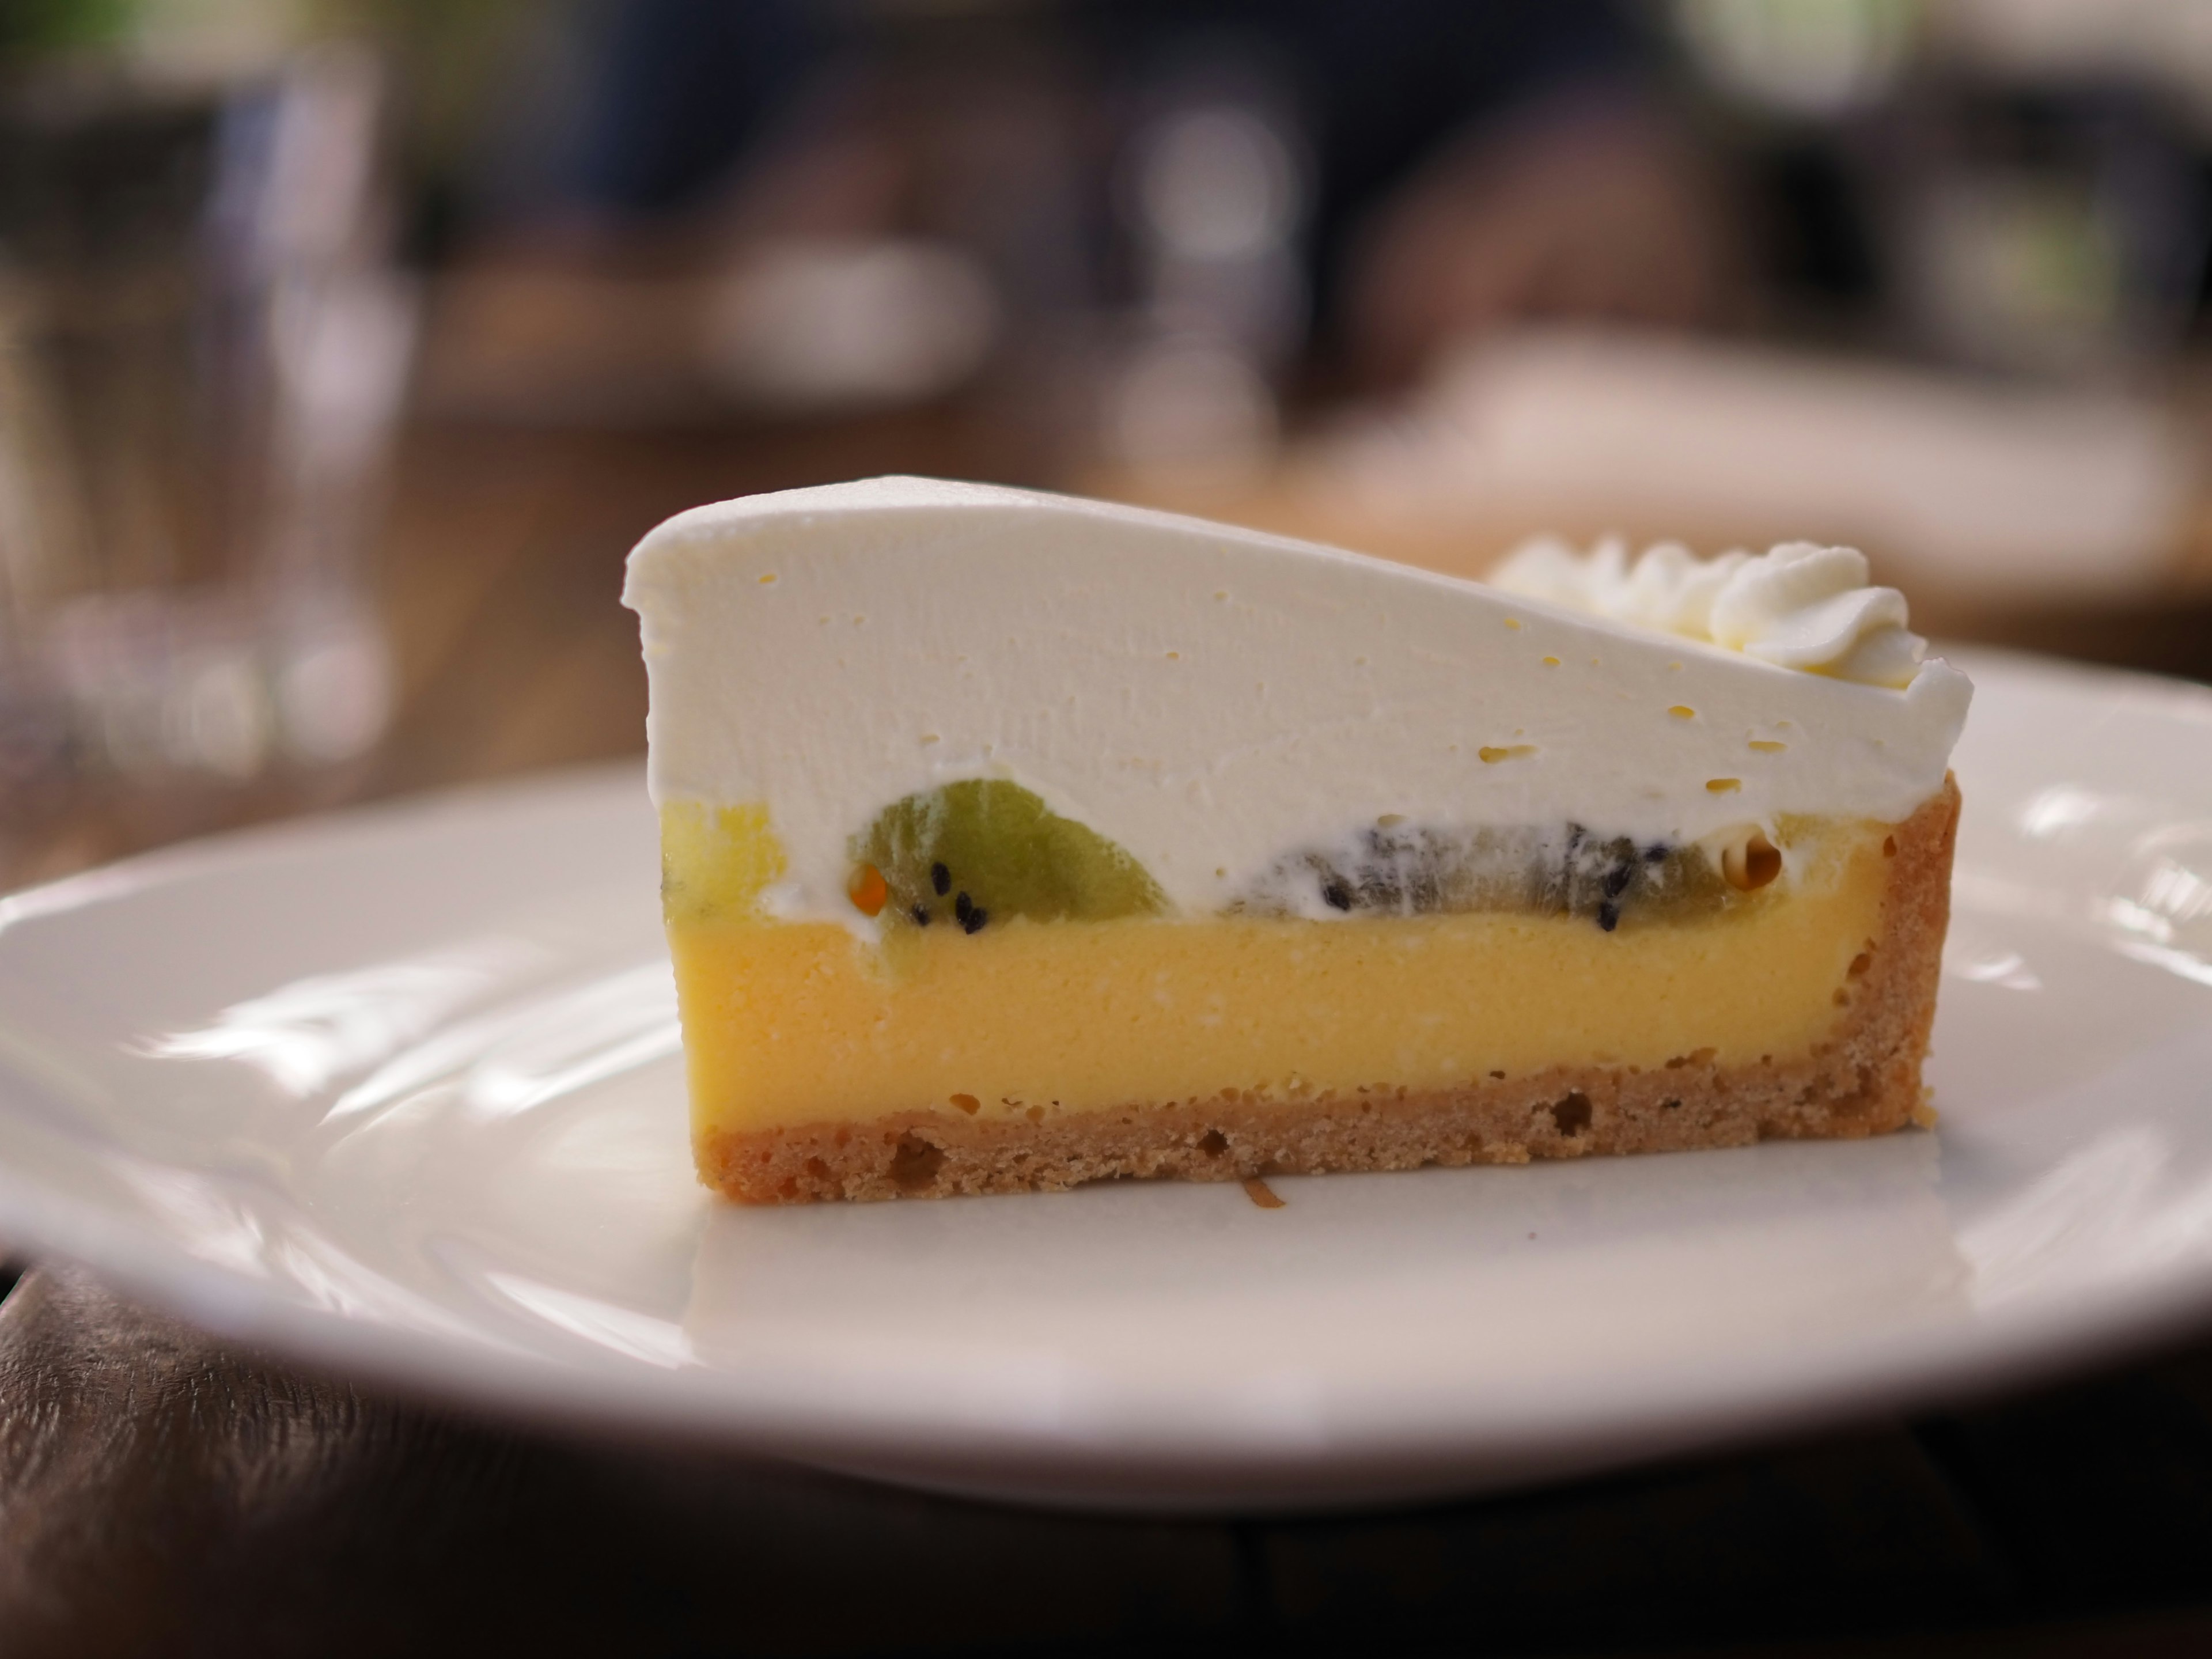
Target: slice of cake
[[1011, 841]]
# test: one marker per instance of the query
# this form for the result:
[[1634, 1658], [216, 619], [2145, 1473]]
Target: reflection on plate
[[401, 1092]]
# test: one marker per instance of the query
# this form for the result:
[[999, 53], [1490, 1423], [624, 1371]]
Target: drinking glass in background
[[202, 348]]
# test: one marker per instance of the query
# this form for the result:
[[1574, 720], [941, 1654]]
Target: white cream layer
[[1211, 698]]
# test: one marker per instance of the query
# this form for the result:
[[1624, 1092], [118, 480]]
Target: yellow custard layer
[[787, 1024]]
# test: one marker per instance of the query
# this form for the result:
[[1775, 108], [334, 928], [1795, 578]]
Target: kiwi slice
[[1411, 870], [985, 850]]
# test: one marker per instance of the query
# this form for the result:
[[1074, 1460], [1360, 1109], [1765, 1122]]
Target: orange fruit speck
[[869, 891]]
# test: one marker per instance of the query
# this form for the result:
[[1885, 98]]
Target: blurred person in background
[[1309, 179]]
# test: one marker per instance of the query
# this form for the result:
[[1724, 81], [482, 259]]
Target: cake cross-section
[[1011, 841]]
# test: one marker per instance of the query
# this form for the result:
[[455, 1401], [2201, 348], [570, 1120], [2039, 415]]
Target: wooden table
[[163, 1493]]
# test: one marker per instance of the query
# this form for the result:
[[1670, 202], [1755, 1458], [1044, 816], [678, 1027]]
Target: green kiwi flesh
[[986, 850]]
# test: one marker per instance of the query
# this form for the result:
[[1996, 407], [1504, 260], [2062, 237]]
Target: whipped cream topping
[[1213, 698], [1799, 606]]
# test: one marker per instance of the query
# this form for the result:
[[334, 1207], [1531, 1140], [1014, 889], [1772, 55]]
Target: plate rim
[[1915, 1367]]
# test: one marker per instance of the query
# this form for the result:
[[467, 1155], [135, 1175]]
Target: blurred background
[[346, 346]]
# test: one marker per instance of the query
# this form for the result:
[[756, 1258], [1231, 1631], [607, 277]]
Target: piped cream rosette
[[1799, 606]]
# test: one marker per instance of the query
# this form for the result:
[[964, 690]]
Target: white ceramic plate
[[399, 1093]]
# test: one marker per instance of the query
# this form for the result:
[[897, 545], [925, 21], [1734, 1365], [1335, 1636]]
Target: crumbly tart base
[[1864, 1080]]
